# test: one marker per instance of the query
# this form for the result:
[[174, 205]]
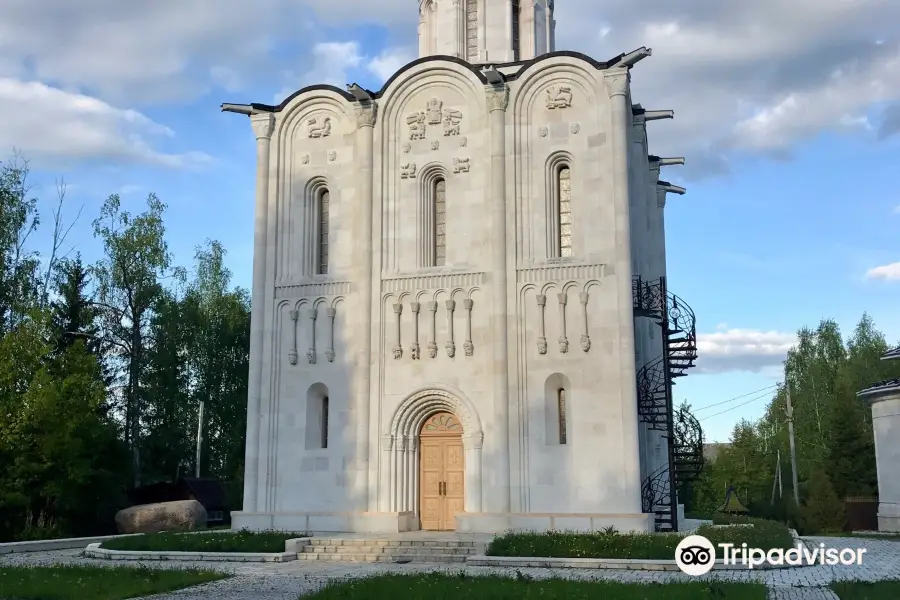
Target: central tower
[[482, 31]]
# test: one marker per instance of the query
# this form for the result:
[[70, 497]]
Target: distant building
[[711, 451], [884, 397]]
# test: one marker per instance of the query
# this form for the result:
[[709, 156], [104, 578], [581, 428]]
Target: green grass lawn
[[653, 546], [461, 587], [95, 583], [855, 590], [224, 541]]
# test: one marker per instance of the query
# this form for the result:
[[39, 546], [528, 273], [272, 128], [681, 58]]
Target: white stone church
[[460, 318]]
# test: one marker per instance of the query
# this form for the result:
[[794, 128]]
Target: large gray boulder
[[181, 515]]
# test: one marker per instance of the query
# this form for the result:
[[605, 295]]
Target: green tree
[[822, 510], [19, 267], [129, 281], [59, 450]]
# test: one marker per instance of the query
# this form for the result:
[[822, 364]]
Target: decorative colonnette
[[418, 288], [561, 277], [310, 298]]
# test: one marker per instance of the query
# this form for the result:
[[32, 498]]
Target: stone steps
[[386, 550], [382, 558]]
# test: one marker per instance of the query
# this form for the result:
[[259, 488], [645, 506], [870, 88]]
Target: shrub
[[649, 546]]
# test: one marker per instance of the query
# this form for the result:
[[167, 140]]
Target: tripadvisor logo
[[696, 555]]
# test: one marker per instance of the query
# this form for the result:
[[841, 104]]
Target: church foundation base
[[889, 517], [316, 522], [582, 522]]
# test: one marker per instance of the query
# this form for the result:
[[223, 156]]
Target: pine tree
[[822, 510]]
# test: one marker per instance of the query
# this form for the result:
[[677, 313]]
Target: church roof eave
[[880, 389], [476, 69], [892, 354]]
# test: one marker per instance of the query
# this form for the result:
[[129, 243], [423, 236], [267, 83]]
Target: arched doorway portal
[[442, 472]]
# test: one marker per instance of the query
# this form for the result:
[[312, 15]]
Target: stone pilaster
[[366, 114], [497, 102], [617, 82], [263, 126]]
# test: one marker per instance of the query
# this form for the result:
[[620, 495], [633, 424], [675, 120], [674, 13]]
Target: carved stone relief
[[463, 142], [406, 148], [452, 119], [433, 111], [415, 307], [408, 171], [544, 131], [585, 337], [416, 122], [311, 353], [542, 339], [576, 128], [398, 346], [559, 97], [292, 353], [432, 344], [317, 129], [467, 345], [450, 346], [434, 114], [460, 165], [435, 144], [332, 156], [330, 312], [305, 159], [563, 340]]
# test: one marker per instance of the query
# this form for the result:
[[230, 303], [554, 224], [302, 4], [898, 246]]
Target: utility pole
[[790, 421], [775, 478], [200, 440]]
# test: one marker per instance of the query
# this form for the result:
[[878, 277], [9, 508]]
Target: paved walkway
[[287, 581]]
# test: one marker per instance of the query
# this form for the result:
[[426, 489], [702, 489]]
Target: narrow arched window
[[440, 222], [564, 210], [324, 422], [322, 255], [317, 413], [515, 28], [561, 414]]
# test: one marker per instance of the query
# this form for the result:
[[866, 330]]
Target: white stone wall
[[886, 428], [503, 389], [443, 29]]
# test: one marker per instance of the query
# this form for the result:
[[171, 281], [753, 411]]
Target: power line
[[765, 389], [760, 397]]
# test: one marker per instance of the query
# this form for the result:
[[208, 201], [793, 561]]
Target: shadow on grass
[[460, 586], [862, 590], [216, 541], [95, 583]]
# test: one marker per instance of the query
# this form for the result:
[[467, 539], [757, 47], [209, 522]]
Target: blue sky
[[788, 118]]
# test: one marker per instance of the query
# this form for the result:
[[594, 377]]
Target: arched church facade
[[458, 286]]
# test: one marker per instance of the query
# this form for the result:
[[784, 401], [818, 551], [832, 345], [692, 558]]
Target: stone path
[[287, 581]]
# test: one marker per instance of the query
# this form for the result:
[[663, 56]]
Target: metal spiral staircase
[[655, 406]]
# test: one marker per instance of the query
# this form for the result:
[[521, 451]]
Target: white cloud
[[742, 350], [331, 61], [50, 123], [741, 76], [389, 62], [889, 272]]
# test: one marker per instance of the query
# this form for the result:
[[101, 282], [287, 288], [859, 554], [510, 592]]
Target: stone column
[[885, 401], [366, 113], [263, 125], [617, 86], [498, 100]]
